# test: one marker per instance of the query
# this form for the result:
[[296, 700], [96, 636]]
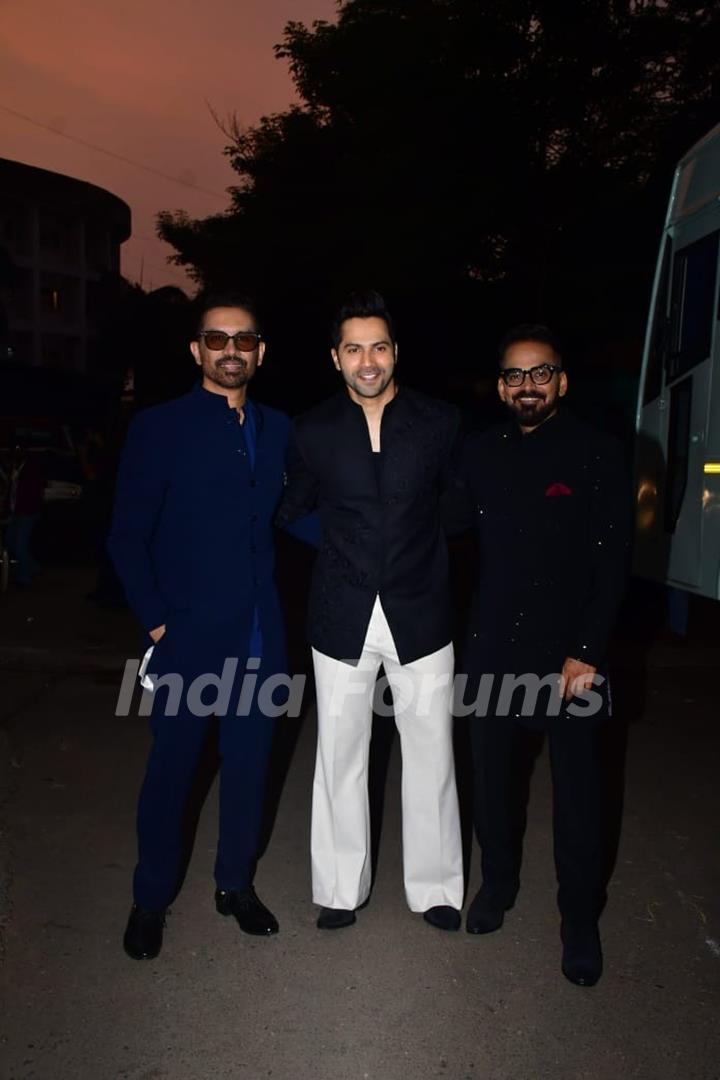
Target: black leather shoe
[[486, 913], [443, 917], [334, 918], [251, 914], [582, 959], [144, 933]]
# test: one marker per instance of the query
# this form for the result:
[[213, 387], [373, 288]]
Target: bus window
[[692, 304], [657, 352]]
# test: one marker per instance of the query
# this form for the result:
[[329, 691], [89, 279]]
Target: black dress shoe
[[443, 917], [252, 915], [334, 918], [582, 959], [486, 913], [144, 933]]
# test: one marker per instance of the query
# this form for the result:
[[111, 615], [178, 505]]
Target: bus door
[[684, 405]]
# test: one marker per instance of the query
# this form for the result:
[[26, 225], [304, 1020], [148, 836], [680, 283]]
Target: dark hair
[[530, 332], [361, 305], [229, 298]]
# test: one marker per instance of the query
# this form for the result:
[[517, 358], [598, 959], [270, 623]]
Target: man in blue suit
[[192, 542]]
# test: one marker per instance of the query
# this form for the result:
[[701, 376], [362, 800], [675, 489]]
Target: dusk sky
[[134, 79]]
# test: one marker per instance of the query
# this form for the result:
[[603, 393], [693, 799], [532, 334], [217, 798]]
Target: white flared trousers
[[422, 700]]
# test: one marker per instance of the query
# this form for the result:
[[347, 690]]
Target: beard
[[363, 390], [218, 373], [531, 416]]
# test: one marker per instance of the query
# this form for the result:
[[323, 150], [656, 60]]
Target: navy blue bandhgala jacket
[[192, 532]]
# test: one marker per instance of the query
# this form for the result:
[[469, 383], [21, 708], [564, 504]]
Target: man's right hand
[[157, 633]]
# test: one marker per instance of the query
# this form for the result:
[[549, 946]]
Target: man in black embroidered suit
[[375, 460], [551, 507]]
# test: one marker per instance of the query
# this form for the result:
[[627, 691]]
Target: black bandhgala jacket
[[381, 520], [553, 513]]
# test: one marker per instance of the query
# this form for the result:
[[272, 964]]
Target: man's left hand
[[575, 678]]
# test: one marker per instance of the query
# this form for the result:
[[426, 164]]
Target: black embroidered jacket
[[553, 519], [380, 519]]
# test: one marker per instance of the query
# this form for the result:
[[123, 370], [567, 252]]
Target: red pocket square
[[558, 489]]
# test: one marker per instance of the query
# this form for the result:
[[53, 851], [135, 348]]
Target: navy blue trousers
[[244, 748]]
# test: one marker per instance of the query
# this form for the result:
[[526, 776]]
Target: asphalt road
[[389, 998]]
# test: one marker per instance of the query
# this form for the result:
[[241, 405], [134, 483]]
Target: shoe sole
[[226, 913], [477, 930], [585, 981], [336, 926], [141, 956]]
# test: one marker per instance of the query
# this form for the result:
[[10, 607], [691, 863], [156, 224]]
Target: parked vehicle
[[678, 409]]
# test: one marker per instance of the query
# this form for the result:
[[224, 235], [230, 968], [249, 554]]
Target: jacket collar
[[352, 406], [218, 402], [542, 433]]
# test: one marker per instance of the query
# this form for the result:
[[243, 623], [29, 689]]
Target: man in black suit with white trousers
[[375, 460]]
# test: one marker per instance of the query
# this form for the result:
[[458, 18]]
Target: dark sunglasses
[[540, 375], [244, 340]]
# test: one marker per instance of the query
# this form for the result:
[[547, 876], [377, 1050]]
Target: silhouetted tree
[[486, 161]]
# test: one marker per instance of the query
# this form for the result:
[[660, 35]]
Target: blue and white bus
[[678, 410]]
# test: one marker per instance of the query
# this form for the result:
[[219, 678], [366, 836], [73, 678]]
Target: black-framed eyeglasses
[[244, 340], [540, 375]]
